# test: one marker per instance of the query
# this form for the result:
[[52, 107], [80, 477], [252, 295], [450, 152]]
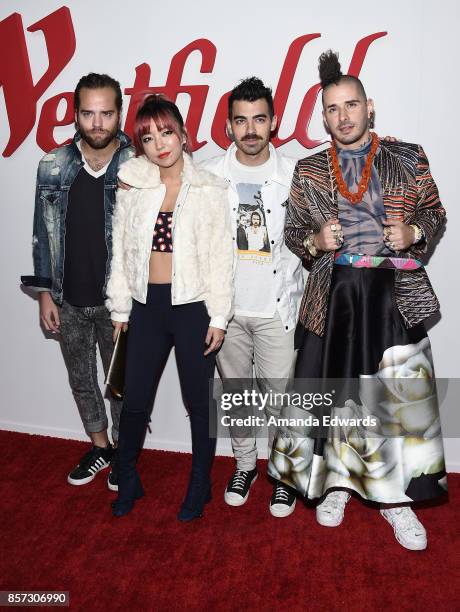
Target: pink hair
[[165, 114]]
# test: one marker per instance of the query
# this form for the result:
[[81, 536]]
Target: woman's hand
[[123, 186], [214, 339], [118, 325]]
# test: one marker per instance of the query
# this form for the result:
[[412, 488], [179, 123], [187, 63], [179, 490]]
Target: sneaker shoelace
[[281, 494], [334, 500], [406, 519], [239, 479]]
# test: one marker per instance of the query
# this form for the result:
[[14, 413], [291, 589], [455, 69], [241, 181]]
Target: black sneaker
[[237, 490], [91, 463], [112, 480], [283, 500]]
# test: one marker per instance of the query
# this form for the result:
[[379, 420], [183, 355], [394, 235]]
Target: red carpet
[[58, 537]]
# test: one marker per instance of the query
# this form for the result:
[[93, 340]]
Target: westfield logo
[[21, 94]]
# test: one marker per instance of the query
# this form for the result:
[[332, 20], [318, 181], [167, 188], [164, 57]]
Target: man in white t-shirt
[[268, 277]]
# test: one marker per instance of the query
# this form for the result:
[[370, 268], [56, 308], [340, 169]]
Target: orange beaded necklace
[[356, 197]]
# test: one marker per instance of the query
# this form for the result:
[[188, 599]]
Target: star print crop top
[[162, 237]]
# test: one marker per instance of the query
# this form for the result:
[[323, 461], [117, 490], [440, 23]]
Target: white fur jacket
[[202, 259]]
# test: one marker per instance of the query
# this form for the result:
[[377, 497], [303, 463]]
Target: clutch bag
[[116, 374]]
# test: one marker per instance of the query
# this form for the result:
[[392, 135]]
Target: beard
[[98, 139]]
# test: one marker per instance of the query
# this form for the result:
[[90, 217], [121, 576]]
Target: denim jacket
[[56, 172]]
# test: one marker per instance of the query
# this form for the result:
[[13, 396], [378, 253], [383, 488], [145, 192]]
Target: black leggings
[[154, 328]]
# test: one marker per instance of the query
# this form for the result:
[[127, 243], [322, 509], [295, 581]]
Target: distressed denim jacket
[[56, 172]]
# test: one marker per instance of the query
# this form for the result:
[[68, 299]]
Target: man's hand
[[49, 312], [330, 236], [117, 326], [397, 235], [214, 339]]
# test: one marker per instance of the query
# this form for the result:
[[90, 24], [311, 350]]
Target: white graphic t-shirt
[[255, 282]]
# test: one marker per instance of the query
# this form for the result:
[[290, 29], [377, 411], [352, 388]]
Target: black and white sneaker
[[91, 463], [283, 500], [112, 480], [237, 490]]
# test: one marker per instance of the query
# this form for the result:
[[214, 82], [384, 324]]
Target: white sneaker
[[409, 531], [329, 512]]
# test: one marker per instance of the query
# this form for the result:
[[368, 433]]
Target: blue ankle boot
[[203, 451], [131, 435], [194, 502], [130, 493]]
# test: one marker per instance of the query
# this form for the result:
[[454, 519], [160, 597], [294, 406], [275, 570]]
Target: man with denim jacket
[[72, 244], [268, 277]]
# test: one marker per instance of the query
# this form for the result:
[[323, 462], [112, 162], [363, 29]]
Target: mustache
[[251, 137]]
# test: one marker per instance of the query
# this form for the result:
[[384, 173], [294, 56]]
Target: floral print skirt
[[380, 436]]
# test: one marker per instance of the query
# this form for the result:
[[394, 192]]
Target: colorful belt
[[375, 261]]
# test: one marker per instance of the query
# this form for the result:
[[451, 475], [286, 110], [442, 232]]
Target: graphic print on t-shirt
[[252, 238]]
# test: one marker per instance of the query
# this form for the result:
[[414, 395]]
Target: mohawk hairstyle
[[330, 72], [329, 68]]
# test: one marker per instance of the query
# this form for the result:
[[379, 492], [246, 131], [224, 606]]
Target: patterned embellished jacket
[[409, 194]]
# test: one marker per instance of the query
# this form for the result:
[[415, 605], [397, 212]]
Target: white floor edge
[[223, 445]]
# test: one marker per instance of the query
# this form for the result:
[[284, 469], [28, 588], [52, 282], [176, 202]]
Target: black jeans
[[154, 328], [81, 329]]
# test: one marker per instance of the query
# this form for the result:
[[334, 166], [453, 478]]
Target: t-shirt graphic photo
[[251, 234]]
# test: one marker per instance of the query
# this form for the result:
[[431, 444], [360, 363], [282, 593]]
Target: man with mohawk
[[360, 215]]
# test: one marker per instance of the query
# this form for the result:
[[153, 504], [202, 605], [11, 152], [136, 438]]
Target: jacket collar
[[140, 172], [281, 173]]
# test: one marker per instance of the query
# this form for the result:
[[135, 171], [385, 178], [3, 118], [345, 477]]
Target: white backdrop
[[411, 73]]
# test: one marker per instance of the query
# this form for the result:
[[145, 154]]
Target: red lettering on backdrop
[[218, 132], [21, 95], [308, 104], [173, 87], [283, 89], [285, 82], [48, 120]]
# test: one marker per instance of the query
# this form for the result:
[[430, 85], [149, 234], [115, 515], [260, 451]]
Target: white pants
[[265, 345]]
